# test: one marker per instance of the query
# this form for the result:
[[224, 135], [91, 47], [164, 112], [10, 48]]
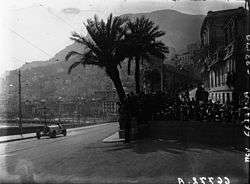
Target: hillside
[[49, 79], [181, 29]]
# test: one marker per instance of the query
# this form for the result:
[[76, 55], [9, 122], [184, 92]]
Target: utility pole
[[20, 102], [162, 80]]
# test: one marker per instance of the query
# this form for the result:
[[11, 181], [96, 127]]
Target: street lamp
[[60, 99], [162, 80], [19, 102]]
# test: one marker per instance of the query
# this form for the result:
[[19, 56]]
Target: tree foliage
[[142, 40], [103, 47], [109, 43]]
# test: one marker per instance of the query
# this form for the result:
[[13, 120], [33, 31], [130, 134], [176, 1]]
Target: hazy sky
[[35, 30]]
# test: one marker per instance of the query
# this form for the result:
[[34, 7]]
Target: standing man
[[198, 93], [205, 96]]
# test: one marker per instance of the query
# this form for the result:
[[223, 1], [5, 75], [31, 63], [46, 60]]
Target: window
[[230, 65], [210, 79], [227, 66], [228, 97], [225, 76], [233, 66], [217, 78], [221, 76], [219, 81], [226, 37], [214, 79], [230, 33]]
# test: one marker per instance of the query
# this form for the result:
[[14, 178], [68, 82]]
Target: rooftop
[[220, 17]]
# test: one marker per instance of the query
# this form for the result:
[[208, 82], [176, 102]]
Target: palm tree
[[141, 38], [103, 48]]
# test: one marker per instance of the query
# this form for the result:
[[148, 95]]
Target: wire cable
[[17, 59], [24, 8], [32, 44], [60, 18]]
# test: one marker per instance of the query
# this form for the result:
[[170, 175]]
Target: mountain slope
[[181, 29], [49, 79]]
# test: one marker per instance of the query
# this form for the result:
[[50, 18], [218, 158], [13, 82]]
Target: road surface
[[82, 157], [34, 158]]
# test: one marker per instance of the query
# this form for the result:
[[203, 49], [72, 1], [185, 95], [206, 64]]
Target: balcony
[[219, 56], [228, 51]]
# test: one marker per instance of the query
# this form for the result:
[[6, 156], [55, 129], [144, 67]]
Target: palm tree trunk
[[115, 77], [137, 75]]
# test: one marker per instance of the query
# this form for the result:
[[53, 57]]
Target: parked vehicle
[[52, 131]]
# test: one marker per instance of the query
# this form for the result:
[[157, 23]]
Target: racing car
[[52, 131]]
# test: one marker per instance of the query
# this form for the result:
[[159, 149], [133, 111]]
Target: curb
[[17, 139], [70, 129], [113, 138]]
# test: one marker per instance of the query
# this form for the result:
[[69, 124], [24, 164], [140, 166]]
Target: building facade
[[185, 58], [222, 40], [108, 101]]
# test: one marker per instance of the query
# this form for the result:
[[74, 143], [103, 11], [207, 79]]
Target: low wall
[[4, 131], [15, 130], [218, 133]]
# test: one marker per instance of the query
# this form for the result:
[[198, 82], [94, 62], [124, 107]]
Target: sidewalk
[[10, 138], [16, 137]]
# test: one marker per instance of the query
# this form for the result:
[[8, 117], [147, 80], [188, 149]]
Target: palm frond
[[105, 41], [85, 41], [157, 34], [75, 64], [71, 53], [142, 37], [109, 23], [91, 59]]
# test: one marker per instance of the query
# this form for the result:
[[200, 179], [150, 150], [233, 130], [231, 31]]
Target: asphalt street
[[82, 157]]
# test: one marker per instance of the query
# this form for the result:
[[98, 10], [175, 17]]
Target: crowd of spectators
[[161, 106], [143, 108]]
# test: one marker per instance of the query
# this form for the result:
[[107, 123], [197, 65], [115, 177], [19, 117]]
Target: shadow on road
[[172, 146]]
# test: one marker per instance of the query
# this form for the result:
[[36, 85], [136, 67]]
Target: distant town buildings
[[107, 100], [222, 40], [169, 57], [187, 58], [184, 59]]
